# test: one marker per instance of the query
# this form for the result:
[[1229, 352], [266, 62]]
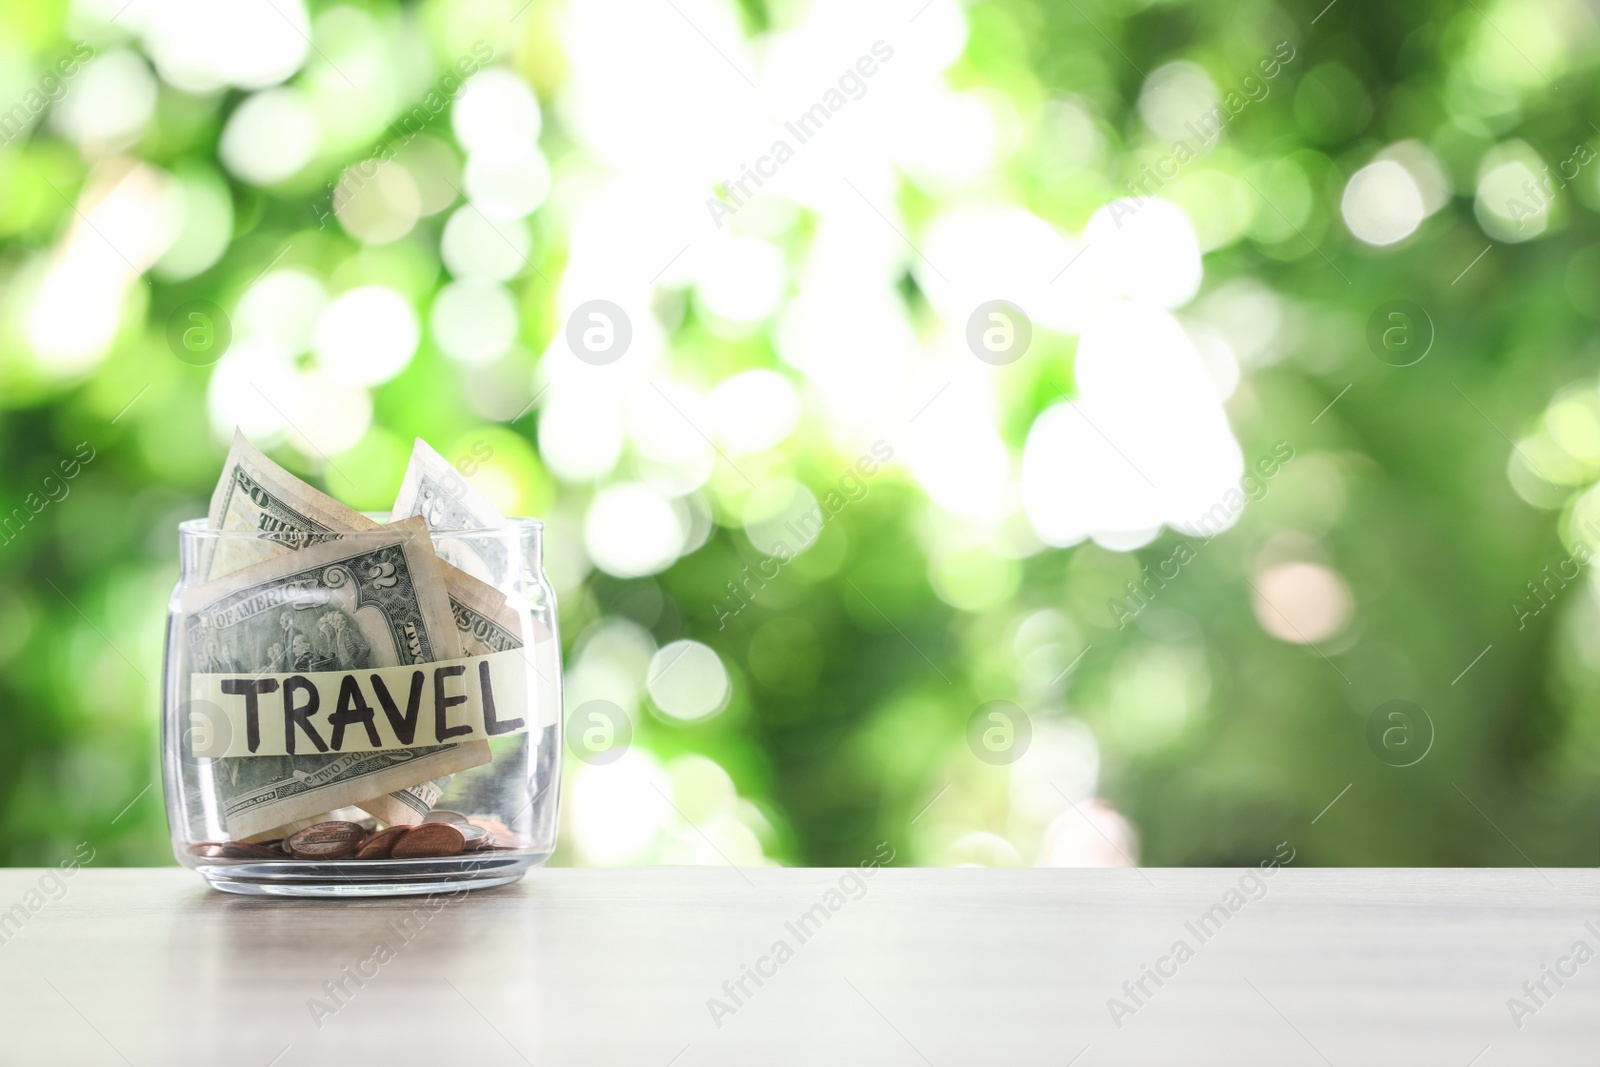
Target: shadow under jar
[[361, 713]]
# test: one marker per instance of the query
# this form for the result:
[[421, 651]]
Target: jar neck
[[509, 550]]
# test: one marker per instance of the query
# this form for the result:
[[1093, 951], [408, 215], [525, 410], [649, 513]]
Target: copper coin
[[429, 839], [325, 841], [476, 837], [378, 845]]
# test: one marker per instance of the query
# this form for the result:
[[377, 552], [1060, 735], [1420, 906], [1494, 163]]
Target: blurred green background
[[1355, 327]]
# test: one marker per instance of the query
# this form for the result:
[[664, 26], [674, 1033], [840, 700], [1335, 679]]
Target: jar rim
[[197, 529]]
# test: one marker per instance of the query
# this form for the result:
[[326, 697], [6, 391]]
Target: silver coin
[[444, 815]]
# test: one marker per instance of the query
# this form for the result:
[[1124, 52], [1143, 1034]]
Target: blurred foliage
[[854, 673]]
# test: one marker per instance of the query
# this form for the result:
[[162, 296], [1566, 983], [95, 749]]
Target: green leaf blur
[[1429, 526]]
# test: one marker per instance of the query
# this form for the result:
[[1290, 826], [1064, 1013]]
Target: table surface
[[935, 967]]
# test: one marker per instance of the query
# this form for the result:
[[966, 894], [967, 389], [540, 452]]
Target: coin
[[325, 841], [493, 825], [476, 837], [429, 839], [378, 845], [508, 843], [445, 815]]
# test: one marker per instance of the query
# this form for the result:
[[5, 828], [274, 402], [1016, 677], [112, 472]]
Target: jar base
[[348, 890], [365, 878]]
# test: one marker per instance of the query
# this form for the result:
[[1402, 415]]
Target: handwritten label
[[422, 705]]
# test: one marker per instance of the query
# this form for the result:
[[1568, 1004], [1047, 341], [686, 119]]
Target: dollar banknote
[[441, 494], [434, 489], [256, 495], [484, 624], [342, 605]]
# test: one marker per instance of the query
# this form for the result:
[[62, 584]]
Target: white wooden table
[[940, 967]]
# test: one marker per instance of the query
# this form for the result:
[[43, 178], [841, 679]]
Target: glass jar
[[328, 704]]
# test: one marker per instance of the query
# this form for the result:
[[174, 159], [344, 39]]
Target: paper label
[[418, 705]]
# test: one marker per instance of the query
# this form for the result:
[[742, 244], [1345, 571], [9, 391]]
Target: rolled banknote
[[434, 489], [483, 625], [255, 494]]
